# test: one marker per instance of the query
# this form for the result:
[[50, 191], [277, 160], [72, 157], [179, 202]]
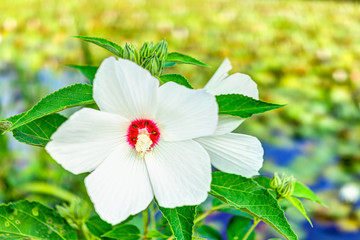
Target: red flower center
[[143, 127]]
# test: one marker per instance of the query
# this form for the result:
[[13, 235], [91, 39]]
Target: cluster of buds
[[283, 186], [150, 56], [130, 52], [76, 213]]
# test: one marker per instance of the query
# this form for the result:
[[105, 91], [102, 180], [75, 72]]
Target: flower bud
[[161, 50], [283, 186], [76, 213], [153, 65], [275, 181], [147, 50], [287, 187], [131, 53]]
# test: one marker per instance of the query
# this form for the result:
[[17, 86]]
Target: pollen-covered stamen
[[143, 135]]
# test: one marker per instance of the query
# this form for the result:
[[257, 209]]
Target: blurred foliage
[[301, 53]]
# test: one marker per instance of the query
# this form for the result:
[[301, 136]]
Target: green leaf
[[97, 226], [108, 45], [298, 204], [216, 202], [156, 234], [181, 220], [242, 106], [124, 232], [32, 220], [175, 78], [71, 96], [246, 195], [302, 191], [263, 181], [38, 132], [238, 227], [88, 71], [169, 64], [176, 57], [209, 232]]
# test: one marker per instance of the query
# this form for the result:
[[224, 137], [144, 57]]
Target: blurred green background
[[305, 54]]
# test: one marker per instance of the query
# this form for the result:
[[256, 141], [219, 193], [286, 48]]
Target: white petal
[[180, 173], [220, 74], [120, 186], [82, 142], [185, 113], [227, 124], [237, 83], [234, 153], [125, 88]]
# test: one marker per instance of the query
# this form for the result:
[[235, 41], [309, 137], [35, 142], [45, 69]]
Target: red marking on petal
[[139, 124]]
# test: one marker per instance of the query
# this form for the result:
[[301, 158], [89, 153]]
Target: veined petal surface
[[236, 83], [185, 113], [234, 153], [120, 186], [82, 142], [180, 173], [125, 88], [227, 124]]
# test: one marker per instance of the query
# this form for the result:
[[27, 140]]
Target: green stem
[[205, 214], [146, 222], [49, 189], [85, 232], [152, 210], [251, 229]]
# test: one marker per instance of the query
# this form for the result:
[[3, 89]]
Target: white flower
[[139, 145], [230, 152]]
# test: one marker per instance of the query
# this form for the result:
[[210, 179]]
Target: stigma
[[143, 135]]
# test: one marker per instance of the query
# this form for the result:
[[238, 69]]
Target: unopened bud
[[153, 65], [161, 50], [287, 189], [76, 213], [147, 50], [275, 181], [131, 53], [284, 185]]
